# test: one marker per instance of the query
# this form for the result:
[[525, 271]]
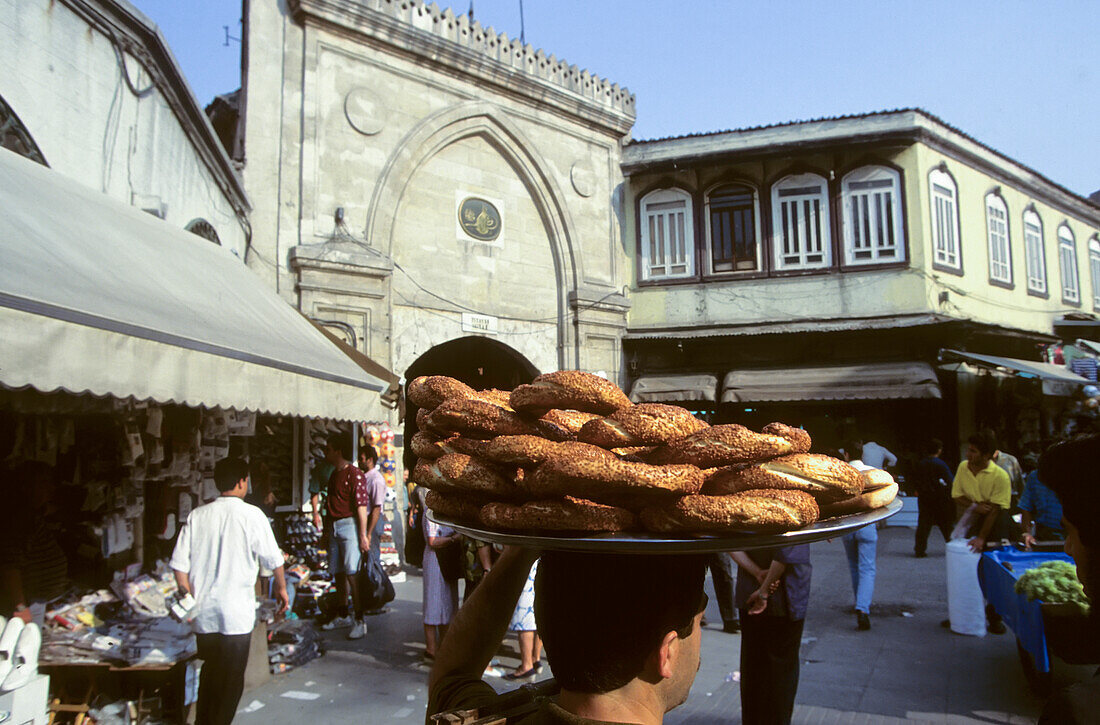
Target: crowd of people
[[645, 665]]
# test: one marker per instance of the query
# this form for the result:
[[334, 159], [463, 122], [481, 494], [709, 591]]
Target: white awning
[[98, 297], [675, 389], [872, 381], [1021, 368]]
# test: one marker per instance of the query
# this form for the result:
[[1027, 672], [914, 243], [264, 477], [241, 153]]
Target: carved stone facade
[[380, 121]]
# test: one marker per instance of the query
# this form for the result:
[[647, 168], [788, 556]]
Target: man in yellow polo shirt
[[981, 481]]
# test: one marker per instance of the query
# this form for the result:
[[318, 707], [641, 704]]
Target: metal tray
[[644, 543]]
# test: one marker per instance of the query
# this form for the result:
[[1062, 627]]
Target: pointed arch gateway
[[488, 122]]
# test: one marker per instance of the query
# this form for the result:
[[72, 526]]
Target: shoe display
[[863, 621], [358, 631], [24, 658], [10, 637], [337, 623]]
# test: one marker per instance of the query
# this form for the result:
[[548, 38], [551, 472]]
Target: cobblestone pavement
[[906, 669]]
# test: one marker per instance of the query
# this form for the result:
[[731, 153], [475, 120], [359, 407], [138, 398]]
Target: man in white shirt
[[877, 456], [217, 558]]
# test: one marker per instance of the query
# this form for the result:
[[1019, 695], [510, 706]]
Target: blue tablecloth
[[1024, 618]]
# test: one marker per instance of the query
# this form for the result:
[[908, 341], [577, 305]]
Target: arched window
[[733, 229], [1035, 251], [871, 216], [800, 222], [1067, 258], [996, 228], [944, 207], [668, 235], [1094, 270], [204, 229]]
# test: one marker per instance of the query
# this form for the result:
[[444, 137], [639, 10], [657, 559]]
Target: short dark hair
[[367, 451], [228, 472], [631, 600], [343, 443], [853, 447], [992, 436], [932, 446], [984, 441]]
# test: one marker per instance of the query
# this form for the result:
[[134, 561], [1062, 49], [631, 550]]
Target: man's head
[[853, 448], [368, 457], [1069, 469], [229, 473], [980, 448], [339, 448], [607, 619], [932, 447]]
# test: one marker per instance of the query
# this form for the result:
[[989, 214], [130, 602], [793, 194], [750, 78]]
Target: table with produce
[[1042, 602]]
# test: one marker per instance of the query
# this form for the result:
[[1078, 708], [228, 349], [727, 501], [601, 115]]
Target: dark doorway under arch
[[479, 362]]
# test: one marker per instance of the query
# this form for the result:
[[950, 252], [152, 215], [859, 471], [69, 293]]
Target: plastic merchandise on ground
[[965, 603]]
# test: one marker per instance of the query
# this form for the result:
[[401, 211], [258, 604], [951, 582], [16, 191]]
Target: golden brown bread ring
[[552, 431], [758, 510], [636, 454], [428, 445], [428, 391], [423, 423], [459, 473], [570, 420], [863, 502], [826, 479], [604, 477], [494, 396], [799, 437], [722, 445], [571, 390], [875, 478], [455, 506], [478, 419], [528, 451], [645, 424], [565, 514]]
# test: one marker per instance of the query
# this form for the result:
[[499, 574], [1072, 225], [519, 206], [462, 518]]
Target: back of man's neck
[[625, 705]]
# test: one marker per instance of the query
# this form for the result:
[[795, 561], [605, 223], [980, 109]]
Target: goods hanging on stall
[[125, 375]]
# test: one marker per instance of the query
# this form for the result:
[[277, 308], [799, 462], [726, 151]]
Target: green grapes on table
[[1054, 582]]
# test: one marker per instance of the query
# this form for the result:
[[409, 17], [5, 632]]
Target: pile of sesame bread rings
[[569, 452]]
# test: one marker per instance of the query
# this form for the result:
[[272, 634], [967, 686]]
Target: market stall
[[136, 356]]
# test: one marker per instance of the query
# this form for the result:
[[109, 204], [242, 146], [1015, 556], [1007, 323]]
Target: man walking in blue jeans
[[348, 503], [860, 546]]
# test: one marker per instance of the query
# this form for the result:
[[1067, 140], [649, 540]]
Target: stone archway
[[488, 122], [480, 362]]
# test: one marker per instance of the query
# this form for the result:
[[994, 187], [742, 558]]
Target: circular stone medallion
[[584, 180], [364, 111]]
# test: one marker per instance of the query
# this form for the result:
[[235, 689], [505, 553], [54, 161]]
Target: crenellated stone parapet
[[442, 37]]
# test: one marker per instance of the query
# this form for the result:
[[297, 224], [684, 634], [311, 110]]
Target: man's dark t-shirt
[[931, 476]]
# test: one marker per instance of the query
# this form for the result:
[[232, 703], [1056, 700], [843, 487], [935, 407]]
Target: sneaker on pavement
[[358, 631], [863, 621], [338, 623], [997, 627]]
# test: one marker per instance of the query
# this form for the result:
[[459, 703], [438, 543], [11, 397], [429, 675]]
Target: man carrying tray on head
[[621, 632]]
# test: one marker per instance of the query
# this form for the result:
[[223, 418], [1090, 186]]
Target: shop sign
[[479, 218], [482, 324]]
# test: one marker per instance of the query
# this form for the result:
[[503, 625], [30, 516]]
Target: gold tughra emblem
[[479, 218]]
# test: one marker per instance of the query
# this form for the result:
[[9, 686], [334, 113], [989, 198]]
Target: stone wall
[[367, 126]]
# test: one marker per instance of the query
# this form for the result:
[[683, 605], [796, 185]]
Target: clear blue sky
[[1022, 77]]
